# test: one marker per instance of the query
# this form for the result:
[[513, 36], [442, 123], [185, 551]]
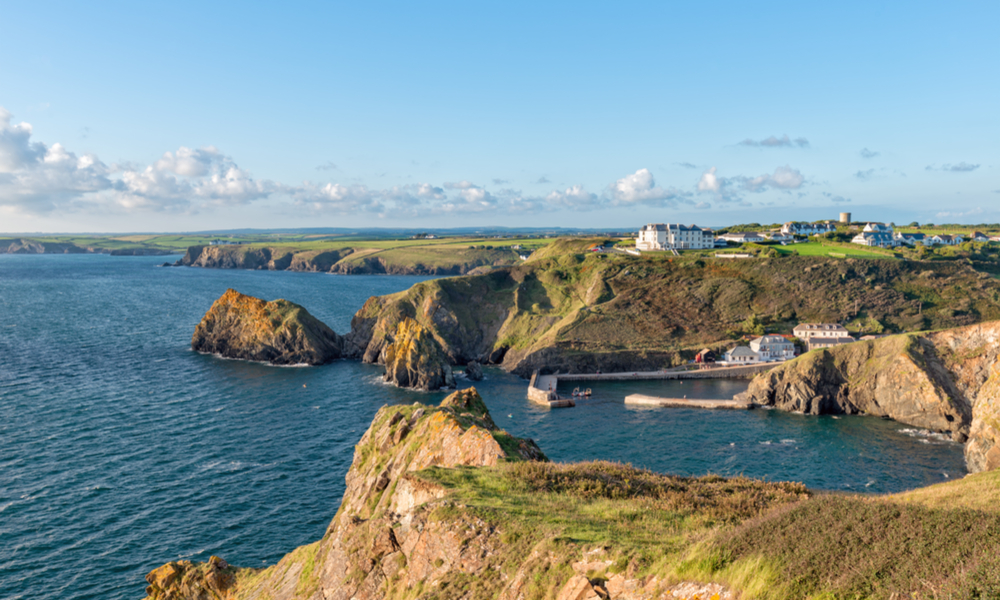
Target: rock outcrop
[[279, 332], [414, 359], [474, 371], [402, 532], [947, 381]]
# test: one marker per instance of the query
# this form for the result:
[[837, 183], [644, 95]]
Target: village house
[[795, 228], [822, 335], [877, 228], [742, 238], [979, 236], [674, 236], [741, 355], [773, 347], [778, 237], [879, 239], [945, 240], [910, 239]]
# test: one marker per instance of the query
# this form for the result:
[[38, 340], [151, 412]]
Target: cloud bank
[[776, 142]]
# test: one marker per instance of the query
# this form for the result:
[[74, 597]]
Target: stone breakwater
[[946, 381]]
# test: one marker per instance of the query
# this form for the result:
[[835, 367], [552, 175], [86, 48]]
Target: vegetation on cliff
[[571, 310], [414, 359], [442, 504], [279, 332], [942, 380]]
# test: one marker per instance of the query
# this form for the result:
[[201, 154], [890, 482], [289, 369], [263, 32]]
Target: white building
[[741, 355], [795, 228], [877, 228], [674, 236], [910, 239], [877, 239], [773, 347], [822, 335], [779, 237], [945, 240], [742, 238]]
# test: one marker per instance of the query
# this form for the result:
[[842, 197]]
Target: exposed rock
[[473, 371], [184, 580], [414, 359], [946, 381], [279, 332]]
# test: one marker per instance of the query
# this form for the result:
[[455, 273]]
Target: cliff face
[[279, 332], [947, 381], [580, 312], [414, 359], [422, 260], [406, 527]]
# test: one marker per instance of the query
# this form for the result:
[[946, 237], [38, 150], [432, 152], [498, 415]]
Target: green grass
[[832, 250]]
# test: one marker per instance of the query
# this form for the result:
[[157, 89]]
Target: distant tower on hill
[[845, 217]]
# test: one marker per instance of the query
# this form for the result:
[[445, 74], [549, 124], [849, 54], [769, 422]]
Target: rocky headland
[[347, 260], [946, 381], [574, 311], [440, 503], [414, 359], [279, 332]]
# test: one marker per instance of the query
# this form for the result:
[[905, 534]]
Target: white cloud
[[784, 178], [641, 188], [572, 197], [459, 185], [709, 182], [962, 167]]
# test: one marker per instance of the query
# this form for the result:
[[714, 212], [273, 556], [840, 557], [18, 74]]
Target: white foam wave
[[926, 435]]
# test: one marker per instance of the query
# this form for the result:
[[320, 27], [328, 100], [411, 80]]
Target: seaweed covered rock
[[279, 332], [414, 359], [185, 580]]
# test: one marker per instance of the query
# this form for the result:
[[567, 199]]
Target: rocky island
[[279, 332], [440, 503]]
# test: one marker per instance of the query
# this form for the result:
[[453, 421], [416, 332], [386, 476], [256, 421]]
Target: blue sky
[[186, 116]]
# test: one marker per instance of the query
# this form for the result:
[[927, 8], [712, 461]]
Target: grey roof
[[771, 339], [742, 351]]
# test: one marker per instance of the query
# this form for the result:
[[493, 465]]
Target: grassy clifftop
[[570, 308]]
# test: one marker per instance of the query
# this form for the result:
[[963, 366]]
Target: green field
[[833, 250]]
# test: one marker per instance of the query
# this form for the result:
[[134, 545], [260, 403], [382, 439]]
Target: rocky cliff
[[278, 332], [414, 359], [437, 259], [408, 528], [946, 381], [571, 311]]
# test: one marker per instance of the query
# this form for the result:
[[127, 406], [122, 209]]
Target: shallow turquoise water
[[120, 449]]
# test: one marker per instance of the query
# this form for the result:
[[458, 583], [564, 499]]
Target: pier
[[542, 389], [643, 400]]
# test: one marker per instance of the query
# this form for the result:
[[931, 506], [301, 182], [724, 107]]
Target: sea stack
[[279, 332], [414, 359]]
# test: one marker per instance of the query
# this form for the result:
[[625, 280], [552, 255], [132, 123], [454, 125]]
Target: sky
[[184, 116]]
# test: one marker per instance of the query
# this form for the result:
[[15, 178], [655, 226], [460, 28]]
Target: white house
[[742, 238], [741, 355], [779, 237], [878, 228], [979, 236], [945, 240], [773, 347], [822, 335], [910, 239], [674, 236], [795, 228], [879, 239]]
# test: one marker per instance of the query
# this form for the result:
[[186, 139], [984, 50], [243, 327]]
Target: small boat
[[576, 392], [587, 393]]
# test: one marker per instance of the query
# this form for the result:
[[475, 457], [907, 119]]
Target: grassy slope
[[767, 540], [606, 303]]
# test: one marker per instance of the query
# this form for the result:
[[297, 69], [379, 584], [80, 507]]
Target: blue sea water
[[121, 449]]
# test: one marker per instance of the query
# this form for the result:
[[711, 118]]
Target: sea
[[121, 449]]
